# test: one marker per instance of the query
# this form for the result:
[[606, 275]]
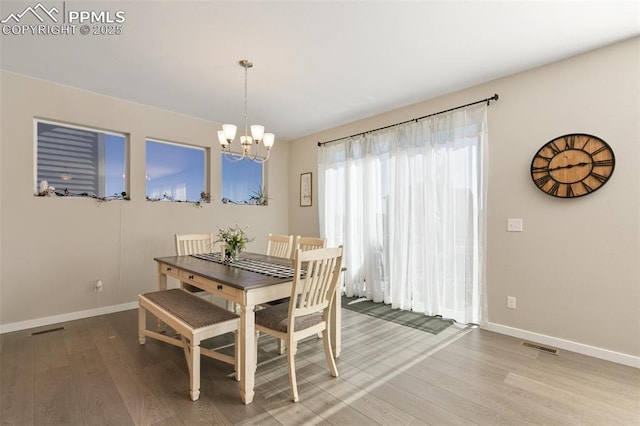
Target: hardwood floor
[[94, 372]]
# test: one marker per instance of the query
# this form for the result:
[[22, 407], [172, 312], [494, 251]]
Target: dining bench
[[195, 320]]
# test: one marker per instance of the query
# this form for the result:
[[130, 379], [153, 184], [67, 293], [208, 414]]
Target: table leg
[[162, 281], [336, 323], [247, 352]]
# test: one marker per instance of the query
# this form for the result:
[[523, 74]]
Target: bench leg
[[195, 374], [192, 354]]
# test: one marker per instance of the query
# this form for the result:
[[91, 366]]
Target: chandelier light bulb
[[222, 139], [257, 132], [229, 132], [268, 140]]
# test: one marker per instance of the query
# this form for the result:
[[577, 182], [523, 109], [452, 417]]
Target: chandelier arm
[[262, 160], [257, 159], [234, 158], [254, 156]]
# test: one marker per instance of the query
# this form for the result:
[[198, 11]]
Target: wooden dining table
[[241, 284]]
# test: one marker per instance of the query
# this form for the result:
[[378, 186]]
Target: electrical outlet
[[97, 287], [511, 302], [514, 225]]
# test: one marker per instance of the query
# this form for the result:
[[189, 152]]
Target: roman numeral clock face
[[572, 165]]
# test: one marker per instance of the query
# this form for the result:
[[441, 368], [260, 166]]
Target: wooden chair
[[194, 244], [304, 244], [195, 320], [308, 243], [280, 245], [307, 312]]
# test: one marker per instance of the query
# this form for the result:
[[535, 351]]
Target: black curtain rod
[[487, 100]]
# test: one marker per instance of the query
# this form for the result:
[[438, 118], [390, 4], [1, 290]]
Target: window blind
[[69, 158]]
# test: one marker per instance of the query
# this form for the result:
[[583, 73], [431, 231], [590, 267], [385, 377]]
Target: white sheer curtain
[[408, 204]]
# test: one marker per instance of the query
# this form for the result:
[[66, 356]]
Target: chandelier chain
[[246, 91]]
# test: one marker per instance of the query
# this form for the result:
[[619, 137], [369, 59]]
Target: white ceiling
[[316, 64]]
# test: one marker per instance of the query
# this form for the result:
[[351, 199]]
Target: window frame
[[206, 170], [252, 200], [101, 163]]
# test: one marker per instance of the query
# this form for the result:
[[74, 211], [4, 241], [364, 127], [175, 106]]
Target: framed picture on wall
[[305, 190]]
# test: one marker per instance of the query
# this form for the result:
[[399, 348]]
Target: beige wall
[[574, 269], [53, 249]]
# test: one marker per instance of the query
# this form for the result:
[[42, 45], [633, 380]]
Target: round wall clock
[[572, 165]]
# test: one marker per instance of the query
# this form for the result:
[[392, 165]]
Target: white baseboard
[[617, 357], [56, 319]]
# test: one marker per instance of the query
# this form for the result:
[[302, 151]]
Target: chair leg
[[238, 366], [292, 371], [328, 353], [282, 346], [142, 324]]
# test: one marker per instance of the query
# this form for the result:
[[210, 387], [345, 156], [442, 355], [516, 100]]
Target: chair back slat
[[279, 245], [194, 244]]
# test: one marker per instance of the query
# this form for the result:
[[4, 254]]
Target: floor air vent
[[51, 330], [541, 348]]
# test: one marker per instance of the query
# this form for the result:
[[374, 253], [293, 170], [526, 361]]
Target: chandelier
[[247, 143]]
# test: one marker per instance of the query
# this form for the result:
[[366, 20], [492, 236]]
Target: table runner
[[253, 265]]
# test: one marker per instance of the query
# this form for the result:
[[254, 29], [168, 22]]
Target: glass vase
[[231, 254]]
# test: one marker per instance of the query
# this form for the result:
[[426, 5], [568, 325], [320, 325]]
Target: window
[[242, 182], [175, 172], [78, 161]]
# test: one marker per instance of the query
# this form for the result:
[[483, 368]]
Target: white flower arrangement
[[234, 237]]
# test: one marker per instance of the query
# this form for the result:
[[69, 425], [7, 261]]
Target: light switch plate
[[514, 225]]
